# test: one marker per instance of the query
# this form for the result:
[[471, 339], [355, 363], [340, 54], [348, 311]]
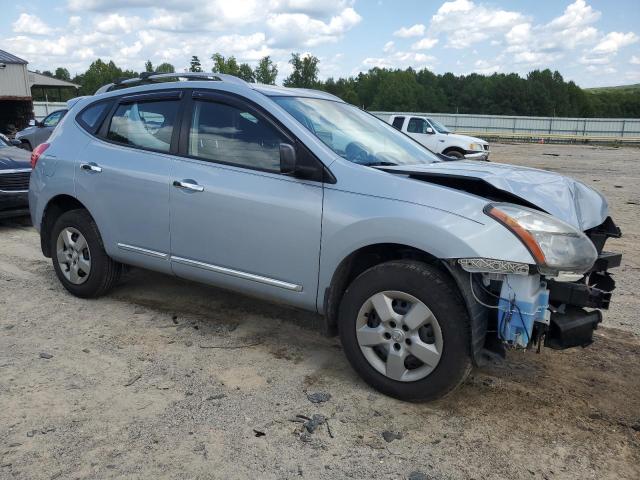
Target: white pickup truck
[[437, 138]]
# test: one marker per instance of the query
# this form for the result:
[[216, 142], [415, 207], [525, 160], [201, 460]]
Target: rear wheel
[[405, 331], [25, 145], [79, 259]]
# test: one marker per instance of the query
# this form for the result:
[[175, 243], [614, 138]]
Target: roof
[[46, 81], [6, 57], [275, 91], [186, 79]]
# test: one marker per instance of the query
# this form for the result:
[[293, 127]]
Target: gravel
[[557, 415]]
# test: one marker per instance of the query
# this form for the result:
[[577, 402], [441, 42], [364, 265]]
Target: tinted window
[[53, 119], [223, 133], [144, 124], [90, 116], [398, 122], [417, 125]]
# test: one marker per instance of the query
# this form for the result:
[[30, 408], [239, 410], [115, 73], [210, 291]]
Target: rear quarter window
[[90, 117]]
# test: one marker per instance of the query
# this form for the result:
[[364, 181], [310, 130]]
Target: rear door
[[122, 176], [236, 221]]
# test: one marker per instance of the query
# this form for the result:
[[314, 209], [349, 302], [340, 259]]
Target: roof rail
[[148, 77]]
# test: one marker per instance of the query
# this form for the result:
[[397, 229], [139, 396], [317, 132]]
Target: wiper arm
[[380, 164]]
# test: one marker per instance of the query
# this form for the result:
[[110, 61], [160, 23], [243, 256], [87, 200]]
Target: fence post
[[624, 123]]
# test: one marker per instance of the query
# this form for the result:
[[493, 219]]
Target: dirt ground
[[165, 378]]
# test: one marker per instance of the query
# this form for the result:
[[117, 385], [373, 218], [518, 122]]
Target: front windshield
[[355, 135], [439, 127]]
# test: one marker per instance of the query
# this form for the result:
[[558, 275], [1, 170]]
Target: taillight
[[37, 152]]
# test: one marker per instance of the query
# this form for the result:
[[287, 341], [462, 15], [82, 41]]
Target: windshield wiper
[[380, 164]]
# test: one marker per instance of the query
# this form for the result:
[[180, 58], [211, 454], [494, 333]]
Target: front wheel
[[456, 154], [79, 259], [405, 330]]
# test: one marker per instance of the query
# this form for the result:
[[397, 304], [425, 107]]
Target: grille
[[13, 182], [486, 147]]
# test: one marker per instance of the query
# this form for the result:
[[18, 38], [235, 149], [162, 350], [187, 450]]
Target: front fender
[[353, 221]]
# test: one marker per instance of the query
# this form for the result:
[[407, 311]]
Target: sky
[[592, 42]]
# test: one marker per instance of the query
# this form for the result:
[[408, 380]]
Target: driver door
[[417, 129]]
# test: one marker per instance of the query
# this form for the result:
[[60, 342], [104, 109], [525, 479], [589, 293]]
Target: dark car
[[15, 169], [38, 132]]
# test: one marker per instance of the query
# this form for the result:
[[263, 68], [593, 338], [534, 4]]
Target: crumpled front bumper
[[577, 306], [480, 156]]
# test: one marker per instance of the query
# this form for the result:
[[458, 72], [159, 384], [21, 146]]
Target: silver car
[[39, 131], [424, 268]]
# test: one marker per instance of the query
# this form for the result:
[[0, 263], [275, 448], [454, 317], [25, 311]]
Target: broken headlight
[[555, 245]]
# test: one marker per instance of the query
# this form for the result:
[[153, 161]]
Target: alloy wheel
[[399, 336], [74, 257]]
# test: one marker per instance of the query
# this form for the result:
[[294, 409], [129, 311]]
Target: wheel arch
[[55, 207], [454, 149], [368, 256], [357, 262]]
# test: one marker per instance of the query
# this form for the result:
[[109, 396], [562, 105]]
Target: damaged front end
[[556, 302]]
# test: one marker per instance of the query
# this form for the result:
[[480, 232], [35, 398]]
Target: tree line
[[539, 93]]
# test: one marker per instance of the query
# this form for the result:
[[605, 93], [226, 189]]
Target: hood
[[562, 197], [25, 131], [465, 138], [13, 158]]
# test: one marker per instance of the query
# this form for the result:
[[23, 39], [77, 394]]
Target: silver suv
[[423, 267]]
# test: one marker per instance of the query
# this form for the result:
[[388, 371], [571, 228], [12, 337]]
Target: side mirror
[[15, 143], [33, 122], [429, 130], [287, 159]]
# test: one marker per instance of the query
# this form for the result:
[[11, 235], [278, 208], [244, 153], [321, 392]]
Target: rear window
[[146, 125], [397, 122], [90, 116]]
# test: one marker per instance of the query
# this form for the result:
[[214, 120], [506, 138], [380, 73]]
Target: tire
[[25, 145], [421, 285], [102, 272], [455, 154]]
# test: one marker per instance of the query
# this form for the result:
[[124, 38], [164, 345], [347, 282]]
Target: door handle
[[188, 185], [91, 167]]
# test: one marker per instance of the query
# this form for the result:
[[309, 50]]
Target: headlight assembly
[[475, 147], [555, 245]]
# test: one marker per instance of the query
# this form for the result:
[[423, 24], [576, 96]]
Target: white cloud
[[465, 23], [31, 24], [483, 67], [634, 60], [388, 47], [290, 30], [535, 59], [424, 44], [575, 16], [416, 30], [613, 41], [400, 60], [116, 23]]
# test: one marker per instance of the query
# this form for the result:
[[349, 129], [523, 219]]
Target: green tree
[[245, 72], [148, 67], [62, 74], [165, 68], [99, 74], [266, 72], [305, 72], [195, 64], [225, 65]]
